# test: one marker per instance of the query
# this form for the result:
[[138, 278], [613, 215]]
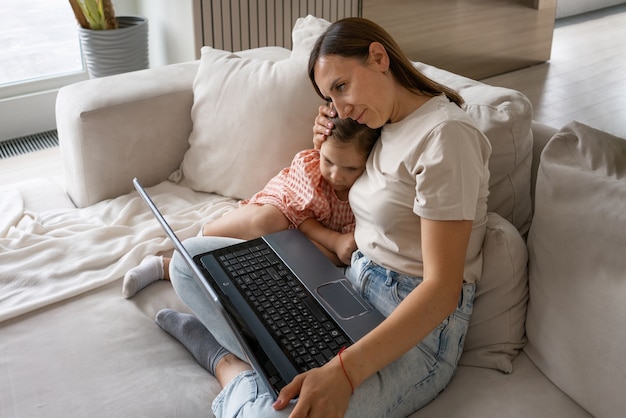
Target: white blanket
[[54, 256]]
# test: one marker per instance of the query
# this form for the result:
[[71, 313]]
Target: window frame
[[37, 85]]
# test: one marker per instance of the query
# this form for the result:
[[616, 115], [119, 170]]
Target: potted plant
[[110, 44]]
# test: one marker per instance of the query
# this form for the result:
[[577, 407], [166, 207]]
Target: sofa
[[546, 338]]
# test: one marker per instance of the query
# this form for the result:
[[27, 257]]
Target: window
[[38, 44], [39, 52]]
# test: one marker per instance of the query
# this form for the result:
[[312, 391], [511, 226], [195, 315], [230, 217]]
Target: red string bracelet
[[344, 368]]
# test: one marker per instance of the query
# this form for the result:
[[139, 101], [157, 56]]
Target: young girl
[[311, 194]]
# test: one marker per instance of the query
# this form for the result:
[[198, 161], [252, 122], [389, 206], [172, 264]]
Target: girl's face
[[341, 164], [360, 91]]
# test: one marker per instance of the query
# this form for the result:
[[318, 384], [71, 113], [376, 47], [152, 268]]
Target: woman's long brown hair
[[351, 38]]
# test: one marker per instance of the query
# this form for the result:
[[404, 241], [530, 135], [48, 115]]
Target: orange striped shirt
[[300, 192]]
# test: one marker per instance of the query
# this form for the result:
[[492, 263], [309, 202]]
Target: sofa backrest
[[577, 268]]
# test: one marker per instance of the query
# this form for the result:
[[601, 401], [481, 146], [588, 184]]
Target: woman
[[420, 210]]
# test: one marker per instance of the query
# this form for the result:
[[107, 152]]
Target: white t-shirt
[[432, 164]]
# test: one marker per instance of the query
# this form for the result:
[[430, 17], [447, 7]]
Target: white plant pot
[[115, 51]]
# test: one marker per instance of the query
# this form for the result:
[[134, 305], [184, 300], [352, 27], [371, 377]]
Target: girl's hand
[[323, 127], [324, 393], [344, 247]]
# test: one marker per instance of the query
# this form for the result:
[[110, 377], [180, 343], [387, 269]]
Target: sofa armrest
[[115, 128]]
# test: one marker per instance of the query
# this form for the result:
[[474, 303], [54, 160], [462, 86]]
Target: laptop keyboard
[[299, 325]]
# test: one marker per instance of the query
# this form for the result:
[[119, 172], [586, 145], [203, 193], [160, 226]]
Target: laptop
[[289, 306]]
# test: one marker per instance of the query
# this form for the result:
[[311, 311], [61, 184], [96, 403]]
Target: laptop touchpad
[[343, 299]]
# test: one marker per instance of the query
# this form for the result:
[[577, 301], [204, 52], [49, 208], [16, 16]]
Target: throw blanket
[[60, 254]]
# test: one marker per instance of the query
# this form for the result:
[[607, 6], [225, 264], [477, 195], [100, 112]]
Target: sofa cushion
[[505, 117], [482, 393], [577, 270], [305, 32], [250, 117], [496, 331]]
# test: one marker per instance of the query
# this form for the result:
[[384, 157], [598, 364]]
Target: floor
[[44, 163], [584, 80]]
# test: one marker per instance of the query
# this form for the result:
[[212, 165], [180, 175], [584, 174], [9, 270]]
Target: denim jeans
[[399, 389]]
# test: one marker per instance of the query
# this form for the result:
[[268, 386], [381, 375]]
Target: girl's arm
[[326, 390], [339, 246]]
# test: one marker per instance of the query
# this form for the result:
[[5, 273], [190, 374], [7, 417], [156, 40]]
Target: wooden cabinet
[[474, 38]]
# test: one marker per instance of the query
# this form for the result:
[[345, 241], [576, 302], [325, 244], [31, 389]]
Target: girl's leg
[[247, 222], [151, 269]]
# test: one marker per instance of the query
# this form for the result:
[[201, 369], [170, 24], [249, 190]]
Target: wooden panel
[[235, 25], [475, 38]]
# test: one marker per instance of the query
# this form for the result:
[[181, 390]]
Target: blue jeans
[[399, 389]]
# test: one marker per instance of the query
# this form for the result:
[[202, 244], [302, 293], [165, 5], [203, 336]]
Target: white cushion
[[305, 32], [577, 248], [496, 331], [250, 117]]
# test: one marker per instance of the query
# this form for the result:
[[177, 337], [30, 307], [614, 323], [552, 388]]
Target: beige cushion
[[505, 117], [250, 117], [577, 248], [496, 331]]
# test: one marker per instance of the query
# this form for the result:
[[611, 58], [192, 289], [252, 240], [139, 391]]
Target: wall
[[172, 30], [125, 7], [566, 8], [171, 27]]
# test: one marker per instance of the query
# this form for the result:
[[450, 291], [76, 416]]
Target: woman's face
[[357, 90]]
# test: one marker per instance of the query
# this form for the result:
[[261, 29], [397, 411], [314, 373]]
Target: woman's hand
[[323, 127], [324, 393]]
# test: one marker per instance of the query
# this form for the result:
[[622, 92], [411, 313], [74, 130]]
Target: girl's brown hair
[[351, 38], [350, 131]]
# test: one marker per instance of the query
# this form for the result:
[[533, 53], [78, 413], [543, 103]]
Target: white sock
[[150, 270]]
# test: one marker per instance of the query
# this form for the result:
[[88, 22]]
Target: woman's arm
[[325, 391], [341, 246], [444, 246]]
